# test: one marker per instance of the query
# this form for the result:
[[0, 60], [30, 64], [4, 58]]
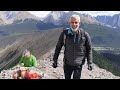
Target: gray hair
[[25, 51], [75, 16]]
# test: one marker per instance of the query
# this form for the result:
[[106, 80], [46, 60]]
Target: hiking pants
[[72, 70]]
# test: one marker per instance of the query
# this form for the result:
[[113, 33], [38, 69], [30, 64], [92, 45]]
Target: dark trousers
[[75, 70]]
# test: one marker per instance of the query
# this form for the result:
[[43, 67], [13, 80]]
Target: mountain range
[[19, 22], [54, 17], [21, 30], [59, 18], [10, 17], [113, 21], [62, 18]]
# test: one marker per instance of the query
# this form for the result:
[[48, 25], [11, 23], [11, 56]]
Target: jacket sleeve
[[59, 45], [88, 45]]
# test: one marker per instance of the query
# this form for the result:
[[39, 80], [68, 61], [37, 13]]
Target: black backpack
[[81, 33]]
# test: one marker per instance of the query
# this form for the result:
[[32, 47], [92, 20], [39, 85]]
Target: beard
[[74, 29]]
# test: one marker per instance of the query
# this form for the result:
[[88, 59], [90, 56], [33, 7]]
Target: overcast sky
[[93, 13]]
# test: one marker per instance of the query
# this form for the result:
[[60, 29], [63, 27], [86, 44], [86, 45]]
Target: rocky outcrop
[[45, 68]]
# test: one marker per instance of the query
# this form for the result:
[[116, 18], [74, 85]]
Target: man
[[28, 62], [77, 45]]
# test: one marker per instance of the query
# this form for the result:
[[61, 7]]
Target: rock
[[46, 70]]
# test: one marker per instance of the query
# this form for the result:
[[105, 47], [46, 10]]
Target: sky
[[93, 13]]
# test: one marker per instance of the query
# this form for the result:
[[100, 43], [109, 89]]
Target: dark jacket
[[77, 47]]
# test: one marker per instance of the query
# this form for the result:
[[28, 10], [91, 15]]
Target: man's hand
[[54, 65], [90, 67]]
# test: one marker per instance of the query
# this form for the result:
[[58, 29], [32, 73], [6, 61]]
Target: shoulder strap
[[81, 34], [65, 31]]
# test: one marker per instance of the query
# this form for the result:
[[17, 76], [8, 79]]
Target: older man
[[77, 43], [28, 62]]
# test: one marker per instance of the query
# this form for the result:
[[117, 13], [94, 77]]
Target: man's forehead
[[27, 53], [74, 19]]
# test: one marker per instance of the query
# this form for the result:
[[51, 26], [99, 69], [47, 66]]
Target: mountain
[[113, 57], [113, 21], [16, 28], [61, 18], [24, 27], [55, 17], [14, 22], [103, 36], [12, 47], [36, 42], [16, 16], [2, 21], [46, 70]]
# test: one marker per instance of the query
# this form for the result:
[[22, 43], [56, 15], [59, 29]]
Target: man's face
[[27, 55], [74, 24]]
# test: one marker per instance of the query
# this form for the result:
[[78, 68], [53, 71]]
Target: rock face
[[45, 68], [62, 18]]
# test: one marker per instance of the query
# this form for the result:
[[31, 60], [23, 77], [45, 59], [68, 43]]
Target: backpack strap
[[81, 34], [65, 31]]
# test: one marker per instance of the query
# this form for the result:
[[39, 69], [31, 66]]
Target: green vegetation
[[103, 36], [106, 64], [112, 57], [12, 64]]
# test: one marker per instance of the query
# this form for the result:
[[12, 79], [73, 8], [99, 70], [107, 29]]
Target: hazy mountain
[[62, 18], [113, 21], [2, 21], [15, 16], [25, 26], [103, 36]]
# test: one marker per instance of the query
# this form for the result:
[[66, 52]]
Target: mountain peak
[[112, 21], [12, 16], [61, 17], [57, 14], [54, 17]]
